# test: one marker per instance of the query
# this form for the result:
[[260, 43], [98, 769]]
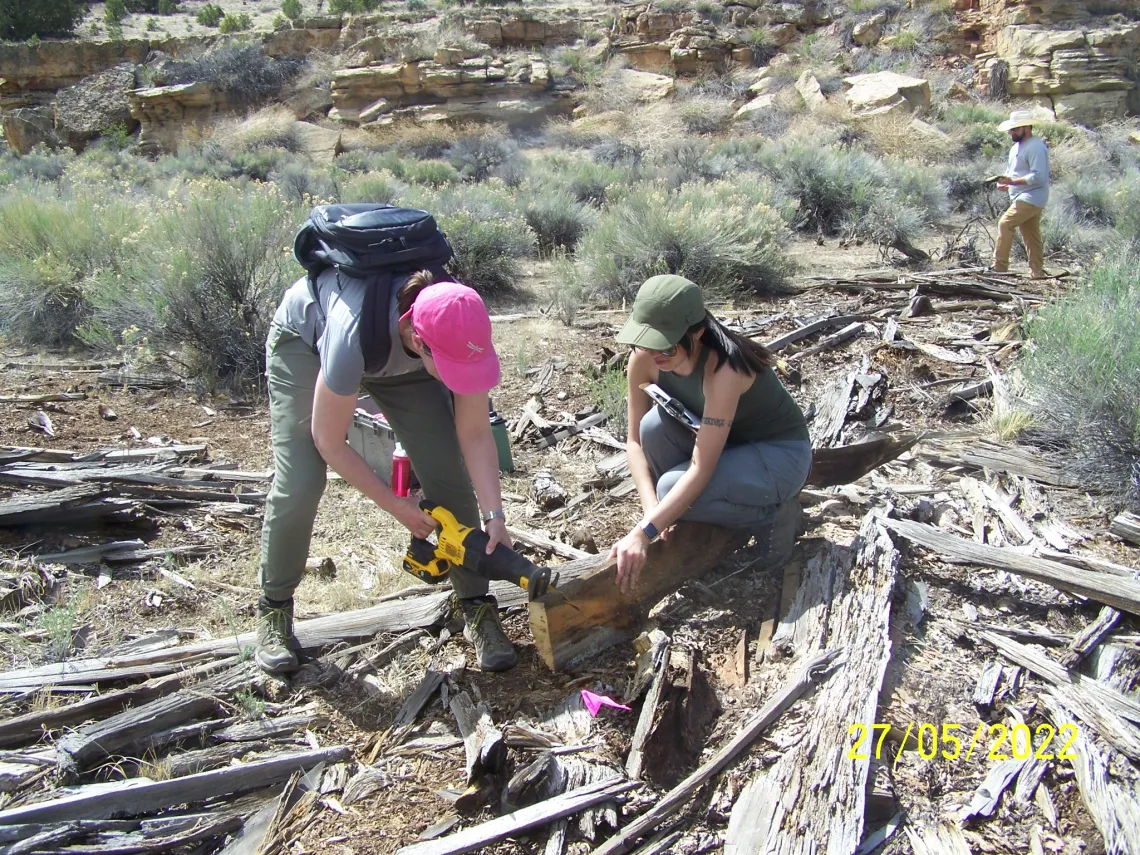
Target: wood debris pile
[[949, 664]]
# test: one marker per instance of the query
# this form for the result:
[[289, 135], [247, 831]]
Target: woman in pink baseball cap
[[430, 376]]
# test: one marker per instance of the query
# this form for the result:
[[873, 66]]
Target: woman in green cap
[[744, 465]]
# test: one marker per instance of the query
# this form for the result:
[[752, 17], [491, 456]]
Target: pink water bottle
[[401, 472]]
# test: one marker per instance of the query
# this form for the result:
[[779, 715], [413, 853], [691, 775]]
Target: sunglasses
[[667, 352]]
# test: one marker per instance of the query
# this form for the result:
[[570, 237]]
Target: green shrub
[[351, 7], [964, 189], [222, 279], [235, 22], [609, 391], [431, 173], [557, 219], [1083, 373], [485, 228], [258, 163], [1126, 204], [114, 11], [210, 15], [41, 164], [301, 185], [52, 247], [21, 19], [705, 115], [292, 9], [588, 181], [379, 186], [615, 152], [479, 156], [417, 5], [167, 7], [1088, 199], [984, 141], [710, 233]]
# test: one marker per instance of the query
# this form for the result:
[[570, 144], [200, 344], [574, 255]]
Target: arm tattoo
[[724, 423]]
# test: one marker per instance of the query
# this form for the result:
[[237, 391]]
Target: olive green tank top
[[766, 412]]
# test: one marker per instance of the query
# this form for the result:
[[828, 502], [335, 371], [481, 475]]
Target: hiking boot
[[493, 649], [777, 536], [276, 644]]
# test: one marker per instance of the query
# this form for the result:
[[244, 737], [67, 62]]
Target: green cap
[[665, 307]]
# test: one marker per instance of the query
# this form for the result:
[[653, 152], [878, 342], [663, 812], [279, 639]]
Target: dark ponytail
[[742, 354], [411, 289]]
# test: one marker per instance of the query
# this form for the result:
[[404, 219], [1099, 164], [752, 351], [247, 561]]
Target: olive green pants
[[417, 406]]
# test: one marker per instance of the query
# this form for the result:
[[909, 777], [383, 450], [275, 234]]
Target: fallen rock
[[321, 145], [763, 86], [87, 110], [868, 32], [646, 86], [885, 92], [810, 90], [757, 106], [27, 127], [958, 92], [1134, 138], [310, 102]]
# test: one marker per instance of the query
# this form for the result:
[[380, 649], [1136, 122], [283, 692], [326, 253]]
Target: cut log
[[1099, 706], [1112, 800], [782, 809], [1127, 526], [480, 836], [831, 467], [482, 741], [832, 411], [811, 673], [1116, 591], [137, 797], [587, 615]]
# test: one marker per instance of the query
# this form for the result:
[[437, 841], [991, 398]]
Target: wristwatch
[[650, 531], [490, 515]]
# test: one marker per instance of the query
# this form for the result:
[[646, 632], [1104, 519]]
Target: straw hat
[[1017, 119]]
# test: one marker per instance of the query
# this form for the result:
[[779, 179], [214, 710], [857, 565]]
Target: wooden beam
[[480, 836], [1127, 526], [1116, 591], [590, 614], [831, 467], [136, 797], [82, 501]]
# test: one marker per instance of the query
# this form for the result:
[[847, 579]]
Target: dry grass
[[268, 127], [896, 135]]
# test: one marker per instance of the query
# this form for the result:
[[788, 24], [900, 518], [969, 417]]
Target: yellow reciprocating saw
[[463, 546]]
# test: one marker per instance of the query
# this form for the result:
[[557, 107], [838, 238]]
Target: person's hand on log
[[631, 552]]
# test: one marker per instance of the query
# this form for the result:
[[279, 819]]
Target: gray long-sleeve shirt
[[1029, 159]]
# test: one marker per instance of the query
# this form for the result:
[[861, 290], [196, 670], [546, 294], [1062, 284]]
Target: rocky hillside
[[1074, 61]]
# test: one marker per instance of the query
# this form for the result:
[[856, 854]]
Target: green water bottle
[[502, 442]]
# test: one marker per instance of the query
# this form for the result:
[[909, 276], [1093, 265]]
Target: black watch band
[[650, 531]]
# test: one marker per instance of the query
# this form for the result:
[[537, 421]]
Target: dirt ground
[[935, 661]]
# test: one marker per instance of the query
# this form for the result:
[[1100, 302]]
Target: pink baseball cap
[[454, 324]]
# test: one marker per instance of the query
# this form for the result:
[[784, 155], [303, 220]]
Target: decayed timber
[[832, 412], [1089, 637], [590, 614], [531, 538], [1098, 705], [391, 616], [89, 745], [1128, 527], [84, 501], [782, 809], [946, 839], [658, 657], [811, 673], [482, 742], [137, 797], [1113, 800], [1117, 591], [479, 836], [843, 464], [778, 344], [1013, 461]]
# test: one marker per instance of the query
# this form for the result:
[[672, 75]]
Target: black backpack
[[378, 243]]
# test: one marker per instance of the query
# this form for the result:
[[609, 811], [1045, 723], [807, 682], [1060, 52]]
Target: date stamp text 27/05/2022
[[953, 741]]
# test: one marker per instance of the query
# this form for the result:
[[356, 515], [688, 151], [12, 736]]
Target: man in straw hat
[[1027, 181]]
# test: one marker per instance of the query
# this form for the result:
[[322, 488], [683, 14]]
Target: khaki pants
[[1021, 215], [417, 406]]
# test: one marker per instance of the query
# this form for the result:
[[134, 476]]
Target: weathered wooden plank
[[482, 741], [138, 797], [811, 673], [779, 343], [658, 665], [1112, 800], [590, 614], [81, 501], [538, 541], [1089, 637], [843, 464], [1098, 705], [783, 809], [832, 411], [1013, 461], [391, 616], [1117, 591], [480, 836], [1128, 527]]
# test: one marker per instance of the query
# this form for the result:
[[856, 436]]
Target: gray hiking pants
[[750, 479], [417, 406]]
